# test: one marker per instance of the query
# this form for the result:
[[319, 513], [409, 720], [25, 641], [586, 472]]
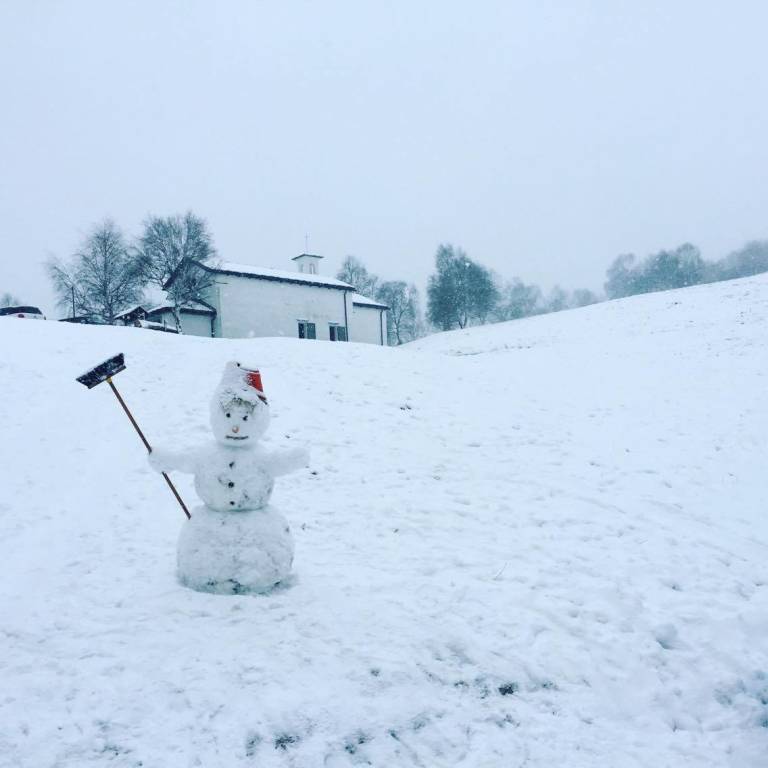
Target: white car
[[30, 313]]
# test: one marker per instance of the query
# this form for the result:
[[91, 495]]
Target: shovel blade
[[103, 371]]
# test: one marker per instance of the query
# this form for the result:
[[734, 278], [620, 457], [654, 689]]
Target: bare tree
[[168, 240], [9, 300], [101, 279], [354, 272], [190, 282], [403, 315], [172, 246]]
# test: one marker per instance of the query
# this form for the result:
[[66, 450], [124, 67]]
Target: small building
[[131, 316], [369, 320], [195, 318], [249, 301]]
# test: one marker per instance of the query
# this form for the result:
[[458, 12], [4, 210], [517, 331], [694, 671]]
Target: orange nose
[[235, 429]]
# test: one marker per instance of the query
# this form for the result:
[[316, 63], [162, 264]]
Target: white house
[[243, 301]]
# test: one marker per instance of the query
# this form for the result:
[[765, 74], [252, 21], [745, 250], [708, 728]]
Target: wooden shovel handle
[[147, 445]]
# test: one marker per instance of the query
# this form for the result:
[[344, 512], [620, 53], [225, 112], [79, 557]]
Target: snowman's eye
[[245, 418], [228, 415]]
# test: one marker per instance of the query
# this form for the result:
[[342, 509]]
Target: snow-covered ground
[[534, 544]]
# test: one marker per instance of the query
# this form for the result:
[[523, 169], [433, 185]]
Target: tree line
[[462, 292], [680, 268], [110, 272]]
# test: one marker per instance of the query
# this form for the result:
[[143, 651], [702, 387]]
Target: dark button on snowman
[[237, 542]]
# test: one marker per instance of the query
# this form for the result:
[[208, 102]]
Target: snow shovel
[[104, 372]]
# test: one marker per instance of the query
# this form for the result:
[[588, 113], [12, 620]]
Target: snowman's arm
[[283, 462], [163, 460]]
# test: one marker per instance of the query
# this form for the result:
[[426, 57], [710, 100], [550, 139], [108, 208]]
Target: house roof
[[191, 307], [264, 273], [363, 301], [131, 310], [312, 255]]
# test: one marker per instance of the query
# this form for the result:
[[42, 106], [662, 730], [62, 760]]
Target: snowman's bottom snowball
[[234, 552]]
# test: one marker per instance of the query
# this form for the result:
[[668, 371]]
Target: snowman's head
[[237, 422]]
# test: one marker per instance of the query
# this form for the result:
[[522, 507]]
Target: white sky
[[543, 137]]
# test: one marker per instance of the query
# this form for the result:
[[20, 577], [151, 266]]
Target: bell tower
[[308, 263]]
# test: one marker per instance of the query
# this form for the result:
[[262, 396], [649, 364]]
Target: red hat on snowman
[[240, 383]]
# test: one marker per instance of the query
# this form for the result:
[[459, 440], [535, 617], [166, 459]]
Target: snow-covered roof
[[364, 301], [187, 306], [131, 309], [265, 273]]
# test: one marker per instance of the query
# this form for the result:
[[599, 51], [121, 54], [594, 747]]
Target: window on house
[[312, 269], [337, 332], [307, 330]]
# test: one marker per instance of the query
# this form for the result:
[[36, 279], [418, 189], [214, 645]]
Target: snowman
[[237, 542]]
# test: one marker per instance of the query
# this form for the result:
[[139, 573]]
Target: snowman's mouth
[[236, 437]]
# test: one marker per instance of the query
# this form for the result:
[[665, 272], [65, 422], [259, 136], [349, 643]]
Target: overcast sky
[[543, 137]]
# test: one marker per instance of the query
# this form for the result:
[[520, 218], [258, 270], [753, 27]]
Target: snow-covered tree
[[660, 271], [620, 277], [583, 297], [557, 300], [750, 259], [518, 299], [664, 270], [461, 291]]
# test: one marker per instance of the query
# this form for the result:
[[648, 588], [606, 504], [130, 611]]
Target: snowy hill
[[539, 543]]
